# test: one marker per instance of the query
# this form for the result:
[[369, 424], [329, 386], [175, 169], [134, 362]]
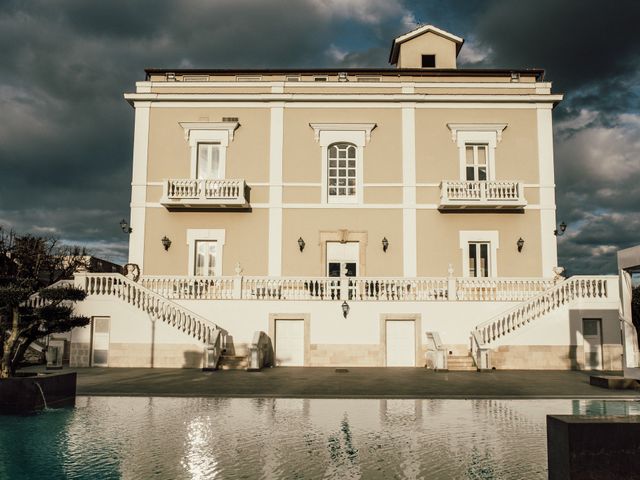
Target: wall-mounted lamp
[[385, 244], [563, 227], [301, 243], [345, 309], [125, 226], [520, 244], [166, 242]]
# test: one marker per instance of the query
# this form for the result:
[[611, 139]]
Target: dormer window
[[428, 61]]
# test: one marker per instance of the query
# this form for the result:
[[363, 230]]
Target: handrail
[[260, 352], [190, 288], [577, 287], [507, 191], [135, 294], [350, 288]]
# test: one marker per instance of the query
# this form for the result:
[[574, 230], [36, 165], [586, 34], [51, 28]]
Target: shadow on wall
[[193, 359], [229, 347], [609, 334]]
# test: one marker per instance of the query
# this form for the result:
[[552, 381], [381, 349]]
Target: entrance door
[[100, 350], [343, 261], [289, 343], [401, 343], [592, 335]]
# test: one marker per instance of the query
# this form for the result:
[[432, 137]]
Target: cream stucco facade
[[348, 200]]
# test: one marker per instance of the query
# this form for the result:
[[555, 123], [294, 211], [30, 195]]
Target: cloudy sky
[[66, 132]]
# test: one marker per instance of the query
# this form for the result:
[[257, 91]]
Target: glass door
[[342, 262]]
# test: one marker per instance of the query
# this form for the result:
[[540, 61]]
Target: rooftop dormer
[[425, 47]]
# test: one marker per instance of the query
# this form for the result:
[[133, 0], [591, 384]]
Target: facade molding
[[137, 220], [147, 86], [276, 142], [409, 220], [323, 98], [209, 128]]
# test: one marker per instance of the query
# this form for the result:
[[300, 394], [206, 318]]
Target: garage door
[[290, 343], [401, 343]]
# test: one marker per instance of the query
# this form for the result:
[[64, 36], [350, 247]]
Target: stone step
[[460, 363], [233, 362]]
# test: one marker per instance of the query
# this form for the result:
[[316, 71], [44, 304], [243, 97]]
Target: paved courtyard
[[356, 383]]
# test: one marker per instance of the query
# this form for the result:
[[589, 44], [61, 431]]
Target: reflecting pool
[[205, 438]]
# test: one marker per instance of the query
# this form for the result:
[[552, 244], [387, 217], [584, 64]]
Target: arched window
[[342, 174]]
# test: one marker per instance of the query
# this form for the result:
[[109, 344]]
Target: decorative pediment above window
[[487, 128], [358, 133], [224, 130]]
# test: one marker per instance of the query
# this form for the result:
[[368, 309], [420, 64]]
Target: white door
[[592, 335], [401, 343], [343, 261], [100, 350], [289, 343]]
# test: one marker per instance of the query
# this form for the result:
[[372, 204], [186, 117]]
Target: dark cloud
[[66, 132]]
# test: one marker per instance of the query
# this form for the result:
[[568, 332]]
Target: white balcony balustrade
[[384, 289], [494, 194], [203, 193]]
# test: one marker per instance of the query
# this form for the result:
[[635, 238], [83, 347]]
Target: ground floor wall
[[329, 338], [133, 339]]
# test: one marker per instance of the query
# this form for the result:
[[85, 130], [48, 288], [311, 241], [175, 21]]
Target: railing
[[436, 353], [260, 352], [203, 191], [574, 288], [496, 193], [347, 288], [266, 288], [400, 289], [190, 288], [501, 289], [156, 305]]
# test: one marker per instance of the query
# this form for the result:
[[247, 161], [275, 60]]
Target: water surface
[[206, 438]]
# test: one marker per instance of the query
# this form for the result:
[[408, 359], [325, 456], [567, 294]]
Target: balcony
[[481, 195], [360, 289], [203, 193]]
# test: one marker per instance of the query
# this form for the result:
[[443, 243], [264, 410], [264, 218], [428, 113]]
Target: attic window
[[195, 78], [251, 78], [428, 61]]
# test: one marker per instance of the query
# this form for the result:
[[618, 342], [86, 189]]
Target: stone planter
[[29, 394]]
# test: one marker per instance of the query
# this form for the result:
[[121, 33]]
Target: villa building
[[347, 217]]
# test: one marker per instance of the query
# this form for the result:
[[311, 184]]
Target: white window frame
[[357, 134], [481, 133], [491, 237], [194, 235], [220, 133]]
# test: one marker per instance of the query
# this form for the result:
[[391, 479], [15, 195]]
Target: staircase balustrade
[[572, 289], [155, 304]]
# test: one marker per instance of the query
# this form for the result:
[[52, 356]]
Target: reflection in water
[[198, 438]]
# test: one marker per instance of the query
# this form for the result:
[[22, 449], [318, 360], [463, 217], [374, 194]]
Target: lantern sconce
[[125, 226], [301, 243], [166, 242], [520, 244], [345, 309], [563, 227], [385, 244]]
